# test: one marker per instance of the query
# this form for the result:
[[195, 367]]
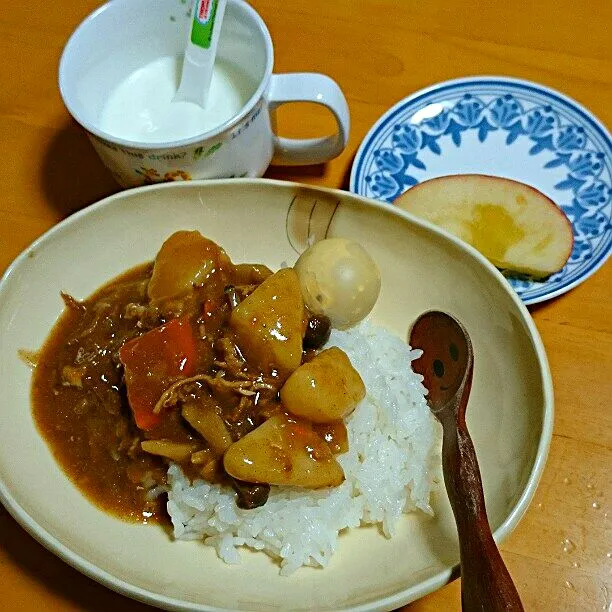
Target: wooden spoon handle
[[486, 584]]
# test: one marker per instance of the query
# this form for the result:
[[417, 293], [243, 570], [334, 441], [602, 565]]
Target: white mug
[[124, 35]]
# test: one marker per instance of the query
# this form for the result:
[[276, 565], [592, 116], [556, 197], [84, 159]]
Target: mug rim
[[192, 140]]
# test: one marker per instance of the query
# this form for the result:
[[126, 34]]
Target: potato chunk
[[325, 389], [284, 451], [186, 259], [268, 325]]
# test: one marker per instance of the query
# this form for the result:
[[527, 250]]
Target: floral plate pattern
[[503, 127]]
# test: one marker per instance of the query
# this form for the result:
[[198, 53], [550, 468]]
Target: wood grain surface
[[560, 556]]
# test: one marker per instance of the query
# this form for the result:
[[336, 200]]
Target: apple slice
[[518, 228]]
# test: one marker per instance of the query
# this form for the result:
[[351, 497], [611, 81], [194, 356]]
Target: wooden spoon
[[447, 365]]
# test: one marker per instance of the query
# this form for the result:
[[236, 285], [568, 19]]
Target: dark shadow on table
[[541, 307], [72, 174], [346, 177], [303, 173], [295, 173]]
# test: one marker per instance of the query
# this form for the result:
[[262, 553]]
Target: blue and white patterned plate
[[503, 127]]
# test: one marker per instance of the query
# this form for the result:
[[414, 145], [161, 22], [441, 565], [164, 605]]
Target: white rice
[[392, 445]]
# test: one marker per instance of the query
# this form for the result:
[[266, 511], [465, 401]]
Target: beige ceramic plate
[[510, 412]]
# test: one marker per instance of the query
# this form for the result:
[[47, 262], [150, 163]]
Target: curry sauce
[[126, 384], [79, 403]]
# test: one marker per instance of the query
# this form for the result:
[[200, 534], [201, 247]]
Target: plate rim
[[406, 595], [475, 80]]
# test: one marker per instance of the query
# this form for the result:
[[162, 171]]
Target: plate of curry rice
[[153, 432]]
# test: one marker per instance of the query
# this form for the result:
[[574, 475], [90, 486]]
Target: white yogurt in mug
[[141, 107], [119, 73]]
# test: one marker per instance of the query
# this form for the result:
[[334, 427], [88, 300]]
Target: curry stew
[[193, 360]]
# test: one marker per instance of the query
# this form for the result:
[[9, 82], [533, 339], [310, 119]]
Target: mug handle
[[309, 87]]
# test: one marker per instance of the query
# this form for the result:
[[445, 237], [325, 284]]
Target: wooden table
[[379, 51]]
